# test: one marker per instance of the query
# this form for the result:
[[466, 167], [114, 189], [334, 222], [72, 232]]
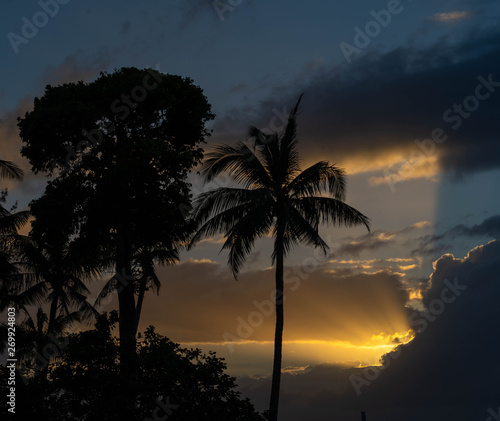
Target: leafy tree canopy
[[173, 383], [120, 148]]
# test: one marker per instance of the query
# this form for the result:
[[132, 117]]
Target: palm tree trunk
[[126, 298], [278, 335], [44, 373], [52, 314], [140, 300], [126, 307]]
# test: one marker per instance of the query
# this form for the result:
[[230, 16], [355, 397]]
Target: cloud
[[378, 113], [376, 240], [427, 243], [452, 16], [201, 302], [345, 268], [432, 244], [490, 227], [77, 66], [125, 28], [194, 10], [449, 371], [407, 267], [32, 185], [372, 241]]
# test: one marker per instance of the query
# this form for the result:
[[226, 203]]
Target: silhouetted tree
[[173, 383], [49, 273], [276, 198], [10, 223], [119, 149], [36, 346]]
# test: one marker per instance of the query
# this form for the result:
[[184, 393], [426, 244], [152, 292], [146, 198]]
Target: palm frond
[[32, 295], [304, 230], [221, 223], [63, 321], [11, 222], [242, 235], [10, 171], [275, 197], [224, 198], [165, 257], [289, 157], [319, 178], [240, 162], [107, 289], [330, 211], [87, 312]]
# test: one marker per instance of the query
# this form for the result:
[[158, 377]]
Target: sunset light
[[239, 210]]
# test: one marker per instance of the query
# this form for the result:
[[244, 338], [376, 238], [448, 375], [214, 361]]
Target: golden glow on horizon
[[314, 351]]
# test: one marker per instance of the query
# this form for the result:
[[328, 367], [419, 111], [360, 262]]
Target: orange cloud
[[452, 16]]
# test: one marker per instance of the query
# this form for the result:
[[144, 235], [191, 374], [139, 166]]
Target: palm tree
[[10, 171], [276, 197], [52, 274], [10, 222], [143, 275], [36, 345]]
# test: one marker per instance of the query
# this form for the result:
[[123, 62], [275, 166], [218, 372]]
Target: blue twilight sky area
[[255, 42], [404, 95]]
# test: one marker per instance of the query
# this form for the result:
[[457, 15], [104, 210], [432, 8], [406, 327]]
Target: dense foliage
[[173, 383]]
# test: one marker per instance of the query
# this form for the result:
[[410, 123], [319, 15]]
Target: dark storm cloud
[[429, 249], [375, 240], [372, 241], [431, 244], [382, 102], [489, 227], [449, 371]]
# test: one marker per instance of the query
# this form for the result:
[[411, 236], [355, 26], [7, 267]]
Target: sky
[[405, 96]]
